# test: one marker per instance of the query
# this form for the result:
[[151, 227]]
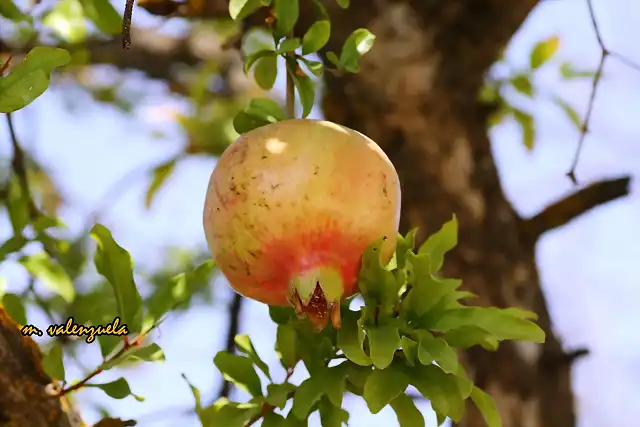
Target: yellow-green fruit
[[291, 208]]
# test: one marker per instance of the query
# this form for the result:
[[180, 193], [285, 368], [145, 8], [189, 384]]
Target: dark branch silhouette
[[233, 329], [604, 54], [571, 207]]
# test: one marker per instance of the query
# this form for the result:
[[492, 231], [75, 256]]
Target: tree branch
[[605, 53], [571, 207], [235, 309], [24, 397], [157, 55]]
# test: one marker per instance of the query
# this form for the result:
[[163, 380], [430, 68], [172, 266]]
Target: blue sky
[[588, 268]]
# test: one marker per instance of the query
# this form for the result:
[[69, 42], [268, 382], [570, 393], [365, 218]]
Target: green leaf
[[9, 10], [568, 72], [115, 264], [407, 412], [250, 60], [52, 362], [17, 203], [278, 394], [266, 71], [502, 324], [357, 375], [469, 336], [176, 292], [118, 389], [543, 51], [281, 315], [271, 419], [244, 122], [571, 113], [436, 349], [289, 45], [441, 389], [410, 350], [307, 92], [487, 407], [405, 244], [522, 83], [351, 338], [149, 353], [331, 415], [438, 244], [30, 78], [244, 344], [286, 346], [378, 286], [382, 386], [525, 121], [160, 175], [357, 44], [286, 13], [196, 394], [308, 393], [67, 20], [267, 109], [316, 37], [108, 343], [51, 274], [228, 414], [336, 380], [292, 421], [15, 309], [333, 58], [316, 68], [239, 370], [105, 17], [427, 291], [384, 340], [14, 244], [240, 9]]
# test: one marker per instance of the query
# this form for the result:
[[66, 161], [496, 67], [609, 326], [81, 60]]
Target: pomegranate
[[290, 209]]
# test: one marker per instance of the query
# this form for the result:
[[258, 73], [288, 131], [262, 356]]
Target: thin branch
[[126, 24], [235, 309], [126, 345], [604, 54], [569, 208], [18, 164], [266, 408], [5, 66], [290, 65]]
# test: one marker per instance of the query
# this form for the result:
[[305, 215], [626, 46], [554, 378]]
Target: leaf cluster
[[408, 333]]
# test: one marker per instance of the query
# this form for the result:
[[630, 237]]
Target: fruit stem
[[290, 62]]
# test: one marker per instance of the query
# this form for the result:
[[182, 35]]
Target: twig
[[19, 167], [234, 328], [604, 54], [126, 24], [126, 345], [291, 88], [5, 66], [569, 208], [266, 408]]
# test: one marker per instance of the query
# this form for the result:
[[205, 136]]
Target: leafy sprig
[[406, 334]]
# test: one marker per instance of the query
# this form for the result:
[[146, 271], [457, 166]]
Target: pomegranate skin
[[300, 199]]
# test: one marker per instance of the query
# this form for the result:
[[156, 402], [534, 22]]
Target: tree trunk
[[416, 95]]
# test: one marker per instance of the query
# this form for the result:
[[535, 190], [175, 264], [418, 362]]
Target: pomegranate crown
[[316, 294]]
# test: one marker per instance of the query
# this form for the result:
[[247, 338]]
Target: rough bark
[[416, 96]]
